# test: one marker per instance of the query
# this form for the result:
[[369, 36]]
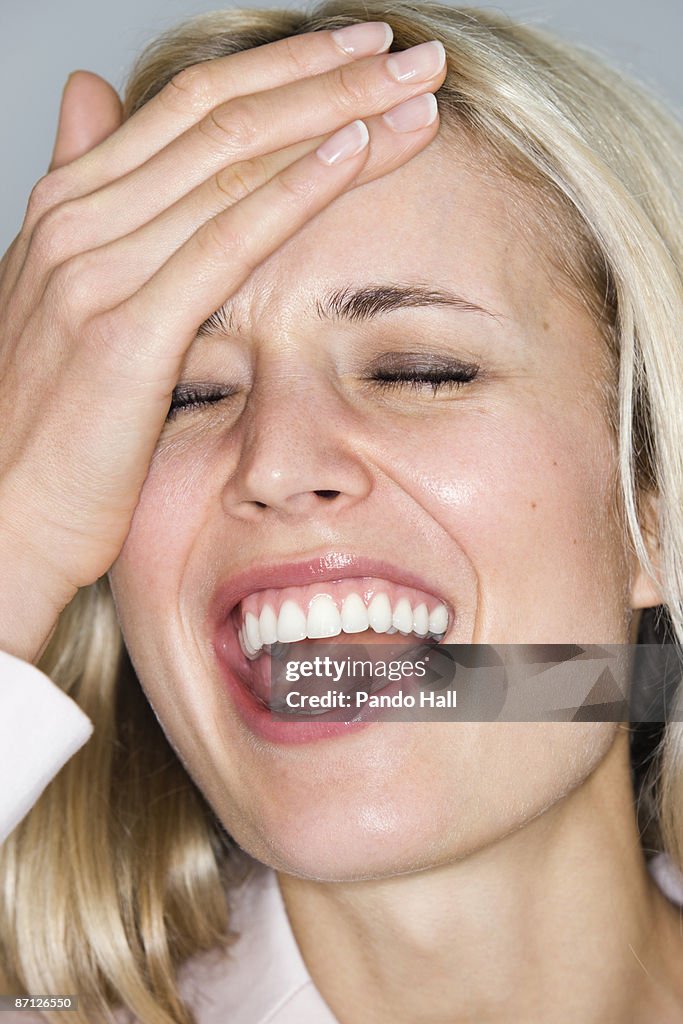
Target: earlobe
[[645, 592], [645, 589]]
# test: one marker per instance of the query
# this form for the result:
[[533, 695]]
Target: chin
[[356, 838], [314, 826], [336, 840]]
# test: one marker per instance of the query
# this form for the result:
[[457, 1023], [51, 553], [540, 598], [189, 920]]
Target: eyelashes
[[435, 376], [194, 396]]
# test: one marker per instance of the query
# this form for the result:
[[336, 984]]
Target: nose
[[297, 456]]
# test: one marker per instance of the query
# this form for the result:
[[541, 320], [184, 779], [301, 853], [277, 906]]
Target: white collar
[[261, 978]]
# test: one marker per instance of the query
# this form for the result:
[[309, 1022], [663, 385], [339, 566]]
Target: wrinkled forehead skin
[[447, 217]]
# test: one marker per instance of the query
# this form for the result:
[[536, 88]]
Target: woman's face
[[494, 495]]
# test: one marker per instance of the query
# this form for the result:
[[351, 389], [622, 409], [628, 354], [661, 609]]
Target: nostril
[[328, 495]]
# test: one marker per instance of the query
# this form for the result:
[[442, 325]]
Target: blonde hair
[[118, 874]]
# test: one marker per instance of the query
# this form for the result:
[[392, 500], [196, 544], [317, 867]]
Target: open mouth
[[267, 627]]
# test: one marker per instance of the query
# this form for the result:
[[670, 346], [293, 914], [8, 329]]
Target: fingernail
[[418, 63], [347, 142], [413, 114], [365, 39]]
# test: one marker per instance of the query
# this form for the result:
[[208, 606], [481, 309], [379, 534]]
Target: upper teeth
[[325, 619]]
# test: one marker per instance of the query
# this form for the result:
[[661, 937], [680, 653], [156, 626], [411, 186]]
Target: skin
[[499, 495], [394, 841]]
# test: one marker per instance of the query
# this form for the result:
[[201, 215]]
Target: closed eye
[[385, 374], [436, 375], [193, 396]]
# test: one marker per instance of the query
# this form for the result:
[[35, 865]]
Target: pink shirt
[[261, 978]]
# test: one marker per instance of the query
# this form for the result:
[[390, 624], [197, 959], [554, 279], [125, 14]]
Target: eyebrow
[[357, 304]]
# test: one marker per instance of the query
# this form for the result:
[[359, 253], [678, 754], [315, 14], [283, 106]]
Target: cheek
[[171, 514], [152, 578], [528, 496]]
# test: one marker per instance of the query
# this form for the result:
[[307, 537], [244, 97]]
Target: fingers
[[90, 112], [152, 330], [243, 129], [265, 122], [198, 89], [128, 262], [82, 220]]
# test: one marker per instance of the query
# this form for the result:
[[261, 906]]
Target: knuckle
[[239, 180], [103, 332], [114, 342], [214, 238], [189, 89], [347, 88], [220, 238], [232, 126], [295, 55], [55, 233], [46, 193], [71, 287], [296, 187]]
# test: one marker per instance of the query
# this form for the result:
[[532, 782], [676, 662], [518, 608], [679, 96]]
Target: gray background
[[41, 41]]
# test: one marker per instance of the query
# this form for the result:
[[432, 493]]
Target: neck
[[558, 921]]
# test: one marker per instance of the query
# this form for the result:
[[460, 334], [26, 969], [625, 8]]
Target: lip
[[331, 565], [260, 722]]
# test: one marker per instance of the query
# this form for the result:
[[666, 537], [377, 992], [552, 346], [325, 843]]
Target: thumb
[[89, 113]]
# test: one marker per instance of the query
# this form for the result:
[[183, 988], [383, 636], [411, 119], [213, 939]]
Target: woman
[[457, 385]]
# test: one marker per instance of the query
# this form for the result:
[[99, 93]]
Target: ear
[[645, 591]]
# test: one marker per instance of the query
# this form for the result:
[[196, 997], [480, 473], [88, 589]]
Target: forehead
[[445, 218]]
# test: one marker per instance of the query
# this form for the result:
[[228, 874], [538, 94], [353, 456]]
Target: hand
[[201, 185]]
